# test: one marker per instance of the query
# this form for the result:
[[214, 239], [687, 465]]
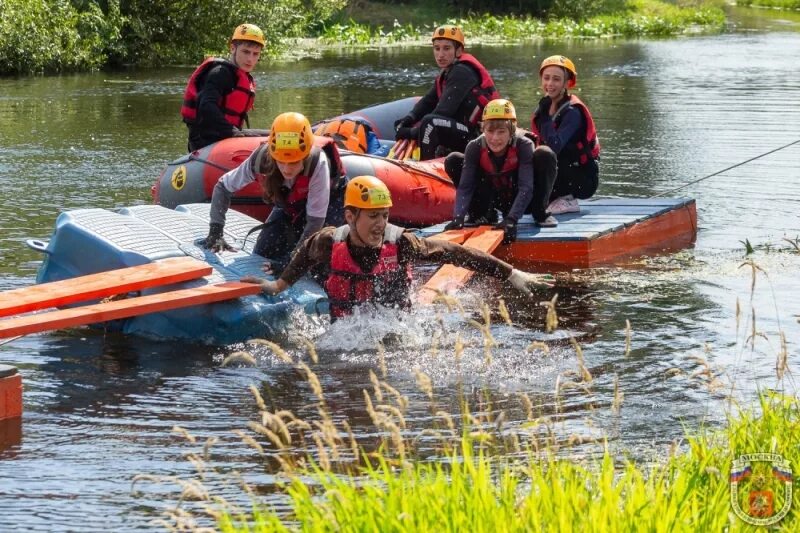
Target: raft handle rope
[[725, 169]]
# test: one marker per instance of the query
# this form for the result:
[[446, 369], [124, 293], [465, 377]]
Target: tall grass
[[487, 470]]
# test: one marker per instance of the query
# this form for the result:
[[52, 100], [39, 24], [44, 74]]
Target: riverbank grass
[[471, 490], [643, 18]]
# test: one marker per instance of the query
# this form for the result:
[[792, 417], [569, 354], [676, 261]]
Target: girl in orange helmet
[[369, 260], [563, 122], [300, 174]]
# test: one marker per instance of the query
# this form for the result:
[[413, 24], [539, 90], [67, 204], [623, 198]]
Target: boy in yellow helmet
[[502, 171], [449, 113], [369, 260], [221, 92]]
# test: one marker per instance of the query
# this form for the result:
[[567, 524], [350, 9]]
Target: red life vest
[[295, 202], [503, 180], [235, 105], [587, 146], [388, 283], [483, 93]]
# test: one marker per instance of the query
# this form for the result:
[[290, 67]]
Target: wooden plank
[[102, 312], [100, 285], [457, 236], [450, 278]]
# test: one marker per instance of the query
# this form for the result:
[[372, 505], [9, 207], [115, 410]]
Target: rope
[[725, 169]]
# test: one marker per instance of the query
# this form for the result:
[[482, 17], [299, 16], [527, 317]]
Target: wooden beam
[[101, 285], [126, 308], [450, 278]]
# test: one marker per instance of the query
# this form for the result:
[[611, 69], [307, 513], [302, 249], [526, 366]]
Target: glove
[[406, 133], [523, 281], [215, 241], [456, 223], [544, 107], [406, 121], [509, 227]]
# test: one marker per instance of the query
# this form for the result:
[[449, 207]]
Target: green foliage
[[648, 17], [52, 36]]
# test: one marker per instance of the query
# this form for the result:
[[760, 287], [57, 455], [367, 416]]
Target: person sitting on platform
[[501, 170], [301, 175], [563, 123], [450, 111], [221, 92], [369, 260]]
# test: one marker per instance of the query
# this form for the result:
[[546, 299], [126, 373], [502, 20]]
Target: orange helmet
[[248, 32], [449, 31], [348, 133], [290, 138], [367, 192], [563, 62], [499, 109]]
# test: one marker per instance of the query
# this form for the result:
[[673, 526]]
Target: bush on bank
[[45, 36]]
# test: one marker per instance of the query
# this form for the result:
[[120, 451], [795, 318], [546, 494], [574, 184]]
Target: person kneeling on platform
[[369, 260], [501, 170], [301, 176]]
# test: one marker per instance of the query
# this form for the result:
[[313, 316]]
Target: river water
[[99, 409]]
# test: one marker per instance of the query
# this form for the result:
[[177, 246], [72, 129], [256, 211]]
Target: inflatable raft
[[422, 192], [88, 241]]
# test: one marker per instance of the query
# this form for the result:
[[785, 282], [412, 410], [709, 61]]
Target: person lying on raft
[[501, 170], [564, 124], [369, 260], [301, 176]]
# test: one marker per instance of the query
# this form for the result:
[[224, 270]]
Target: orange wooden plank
[[141, 305], [450, 278], [457, 236], [100, 285]]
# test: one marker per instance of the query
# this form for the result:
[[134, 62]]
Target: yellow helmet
[[290, 138], [563, 62], [448, 31], [248, 32], [367, 192], [499, 109]]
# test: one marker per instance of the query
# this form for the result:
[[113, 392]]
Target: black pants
[[438, 130], [579, 181], [486, 198]]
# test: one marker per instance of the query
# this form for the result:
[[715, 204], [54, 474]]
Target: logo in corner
[[179, 178], [761, 488]]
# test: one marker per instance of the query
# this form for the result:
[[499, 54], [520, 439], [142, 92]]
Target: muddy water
[[99, 409]]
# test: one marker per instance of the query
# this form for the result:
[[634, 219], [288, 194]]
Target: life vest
[[235, 105], [587, 146], [388, 283], [294, 203], [348, 133], [482, 94], [503, 180]]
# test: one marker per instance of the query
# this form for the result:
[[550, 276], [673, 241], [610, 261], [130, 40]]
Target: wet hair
[[275, 193]]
